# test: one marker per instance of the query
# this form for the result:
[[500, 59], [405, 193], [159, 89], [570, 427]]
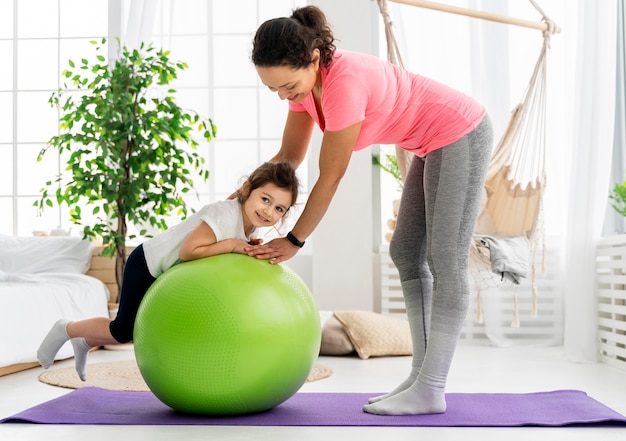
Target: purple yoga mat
[[91, 405]]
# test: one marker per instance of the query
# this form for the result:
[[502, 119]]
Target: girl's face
[[291, 84], [265, 206]]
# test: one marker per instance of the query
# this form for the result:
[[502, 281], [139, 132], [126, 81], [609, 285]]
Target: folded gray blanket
[[509, 256]]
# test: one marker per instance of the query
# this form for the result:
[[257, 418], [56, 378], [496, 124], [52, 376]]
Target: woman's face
[[266, 205], [291, 84]]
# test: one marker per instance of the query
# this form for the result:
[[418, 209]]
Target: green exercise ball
[[226, 335]]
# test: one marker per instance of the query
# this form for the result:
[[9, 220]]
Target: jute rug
[[125, 376]]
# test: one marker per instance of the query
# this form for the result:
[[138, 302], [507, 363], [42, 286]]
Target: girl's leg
[[453, 181], [98, 331], [408, 252], [77, 333], [136, 282]]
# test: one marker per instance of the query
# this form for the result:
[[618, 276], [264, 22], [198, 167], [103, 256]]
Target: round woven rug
[[125, 376]]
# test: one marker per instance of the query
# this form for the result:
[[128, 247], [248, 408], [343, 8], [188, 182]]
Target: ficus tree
[[130, 150]]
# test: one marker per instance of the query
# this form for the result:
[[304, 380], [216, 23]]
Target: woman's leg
[[453, 182], [408, 252]]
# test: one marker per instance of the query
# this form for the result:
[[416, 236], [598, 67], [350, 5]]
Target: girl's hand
[[239, 246], [276, 250]]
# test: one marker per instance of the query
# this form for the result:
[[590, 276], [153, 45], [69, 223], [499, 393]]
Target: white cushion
[[44, 254]]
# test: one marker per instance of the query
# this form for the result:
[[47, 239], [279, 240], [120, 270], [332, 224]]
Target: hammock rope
[[516, 178]]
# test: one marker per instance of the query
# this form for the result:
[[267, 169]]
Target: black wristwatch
[[294, 240]]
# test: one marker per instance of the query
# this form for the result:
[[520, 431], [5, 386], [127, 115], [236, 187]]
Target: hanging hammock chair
[[511, 213]]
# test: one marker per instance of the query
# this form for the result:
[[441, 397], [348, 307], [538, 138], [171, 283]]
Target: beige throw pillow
[[374, 334], [335, 341]]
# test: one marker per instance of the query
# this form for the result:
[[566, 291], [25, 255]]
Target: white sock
[[427, 394], [81, 349], [419, 399], [417, 299], [56, 338]]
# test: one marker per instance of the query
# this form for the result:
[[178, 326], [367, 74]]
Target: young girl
[[221, 227]]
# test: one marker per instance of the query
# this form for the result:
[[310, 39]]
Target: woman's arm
[[334, 158], [296, 138], [201, 242], [335, 154]]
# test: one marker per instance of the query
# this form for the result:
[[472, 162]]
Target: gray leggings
[[438, 211]]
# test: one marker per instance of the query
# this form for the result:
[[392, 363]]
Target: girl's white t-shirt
[[224, 218]]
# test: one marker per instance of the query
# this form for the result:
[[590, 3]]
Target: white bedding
[[31, 303]]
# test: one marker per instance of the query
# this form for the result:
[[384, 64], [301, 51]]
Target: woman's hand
[[276, 250]]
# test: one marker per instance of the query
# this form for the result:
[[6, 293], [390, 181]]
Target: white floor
[[475, 369]]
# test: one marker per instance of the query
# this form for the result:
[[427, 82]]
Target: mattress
[[31, 303]]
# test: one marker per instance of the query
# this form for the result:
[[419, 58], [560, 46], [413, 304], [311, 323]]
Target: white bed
[[42, 279]]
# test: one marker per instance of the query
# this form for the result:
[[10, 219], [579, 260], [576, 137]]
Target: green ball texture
[[226, 335]]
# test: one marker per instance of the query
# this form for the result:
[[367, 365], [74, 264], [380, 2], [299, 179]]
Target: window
[[38, 37]]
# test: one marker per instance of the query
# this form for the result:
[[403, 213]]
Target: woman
[[217, 228], [358, 100]]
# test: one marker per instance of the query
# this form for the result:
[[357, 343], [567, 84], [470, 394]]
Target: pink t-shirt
[[395, 106]]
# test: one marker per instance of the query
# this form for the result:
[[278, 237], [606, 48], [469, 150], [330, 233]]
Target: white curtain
[[490, 48], [140, 22], [592, 143], [132, 21], [615, 223]]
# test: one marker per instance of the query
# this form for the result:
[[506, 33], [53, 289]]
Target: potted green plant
[[610, 267], [129, 148], [618, 195], [389, 164]]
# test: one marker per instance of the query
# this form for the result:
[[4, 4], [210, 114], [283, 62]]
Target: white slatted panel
[[543, 329], [392, 300], [611, 300], [546, 328]]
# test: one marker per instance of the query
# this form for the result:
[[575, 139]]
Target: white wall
[[341, 261]]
